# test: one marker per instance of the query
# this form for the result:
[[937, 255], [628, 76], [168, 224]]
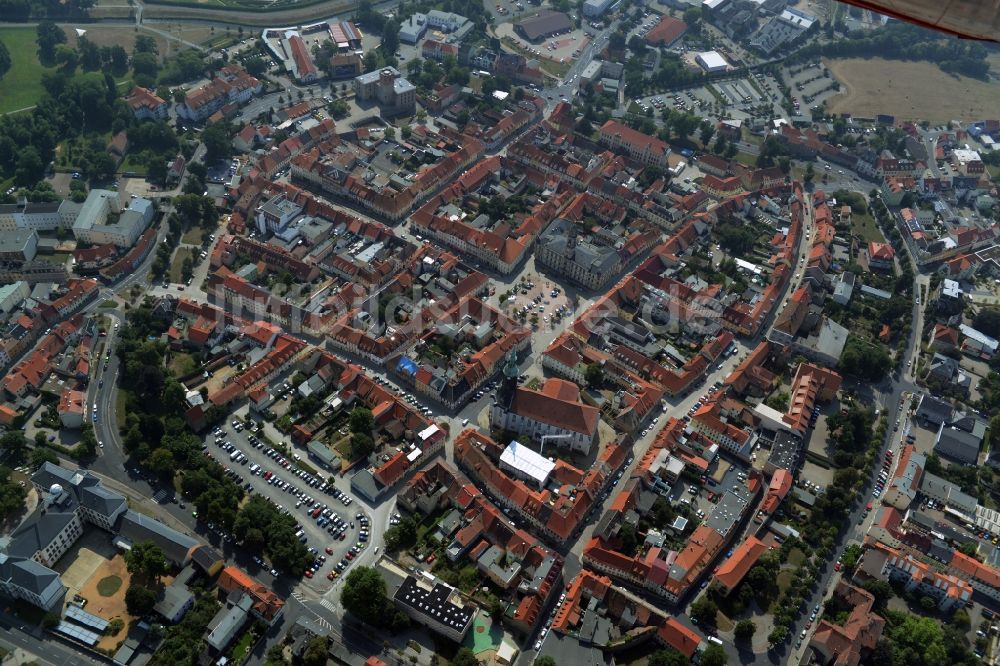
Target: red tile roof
[[881, 251], [266, 603], [666, 31], [557, 404]]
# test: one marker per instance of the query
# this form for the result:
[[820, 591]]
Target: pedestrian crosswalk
[[298, 596], [327, 604]]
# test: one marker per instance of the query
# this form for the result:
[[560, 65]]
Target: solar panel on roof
[[81, 616], [78, 633]]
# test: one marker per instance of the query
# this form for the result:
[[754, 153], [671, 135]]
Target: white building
[[445, 21], [711, 61], [274, 215], [38, 216], [12, 295], [412, 29], [595, 8], [525, 463], [18, 245], [102, 220]]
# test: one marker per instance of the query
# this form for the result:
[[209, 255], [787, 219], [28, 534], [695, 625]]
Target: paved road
[[48, 651]]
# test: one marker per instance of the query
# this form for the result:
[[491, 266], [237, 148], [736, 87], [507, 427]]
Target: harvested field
[[909, 91]]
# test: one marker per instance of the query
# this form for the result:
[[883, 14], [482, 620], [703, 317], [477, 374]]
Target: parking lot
[[330, 523], [738, 98], [557, 48], [810, 85], [540, 298]]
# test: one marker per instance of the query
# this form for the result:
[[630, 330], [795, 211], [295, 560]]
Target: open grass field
[[108, 585], [181, 365], [193, 236], [863, 225], [909, 91], [22, 85]]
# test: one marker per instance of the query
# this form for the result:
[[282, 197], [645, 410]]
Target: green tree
[[745, 630], [668, 658], [4, 60], [161, 462], [465, 657], [707, 131], [30, 167], [316, 651], [403, 535], [778, 635], [594, 375], [390, 38], [256, 66], [139, 600], [714, 655], [146, 65], [48, 37], [145, 44], [628, 538], [704, 611], [864, 359], [362, 445], [90, 54], [42, 455], [361, 420], [364, 596], [987, 321], [14, 445], [218, 142], [146, 559], [12, 494]]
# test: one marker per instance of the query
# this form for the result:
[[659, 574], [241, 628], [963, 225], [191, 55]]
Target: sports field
[[909, 91]]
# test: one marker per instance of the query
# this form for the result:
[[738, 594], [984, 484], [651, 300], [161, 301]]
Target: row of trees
[[23, 10], [5, 61], [904, 41]]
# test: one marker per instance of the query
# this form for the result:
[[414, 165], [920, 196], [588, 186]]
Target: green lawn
[[181, 365], [865, 227], [107, 586], [193, 236], [177, 265], [309, 469], [131, 165], [121, 406], [22, 85]]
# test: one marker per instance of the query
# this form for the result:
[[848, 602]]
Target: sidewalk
[[19, 656]]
